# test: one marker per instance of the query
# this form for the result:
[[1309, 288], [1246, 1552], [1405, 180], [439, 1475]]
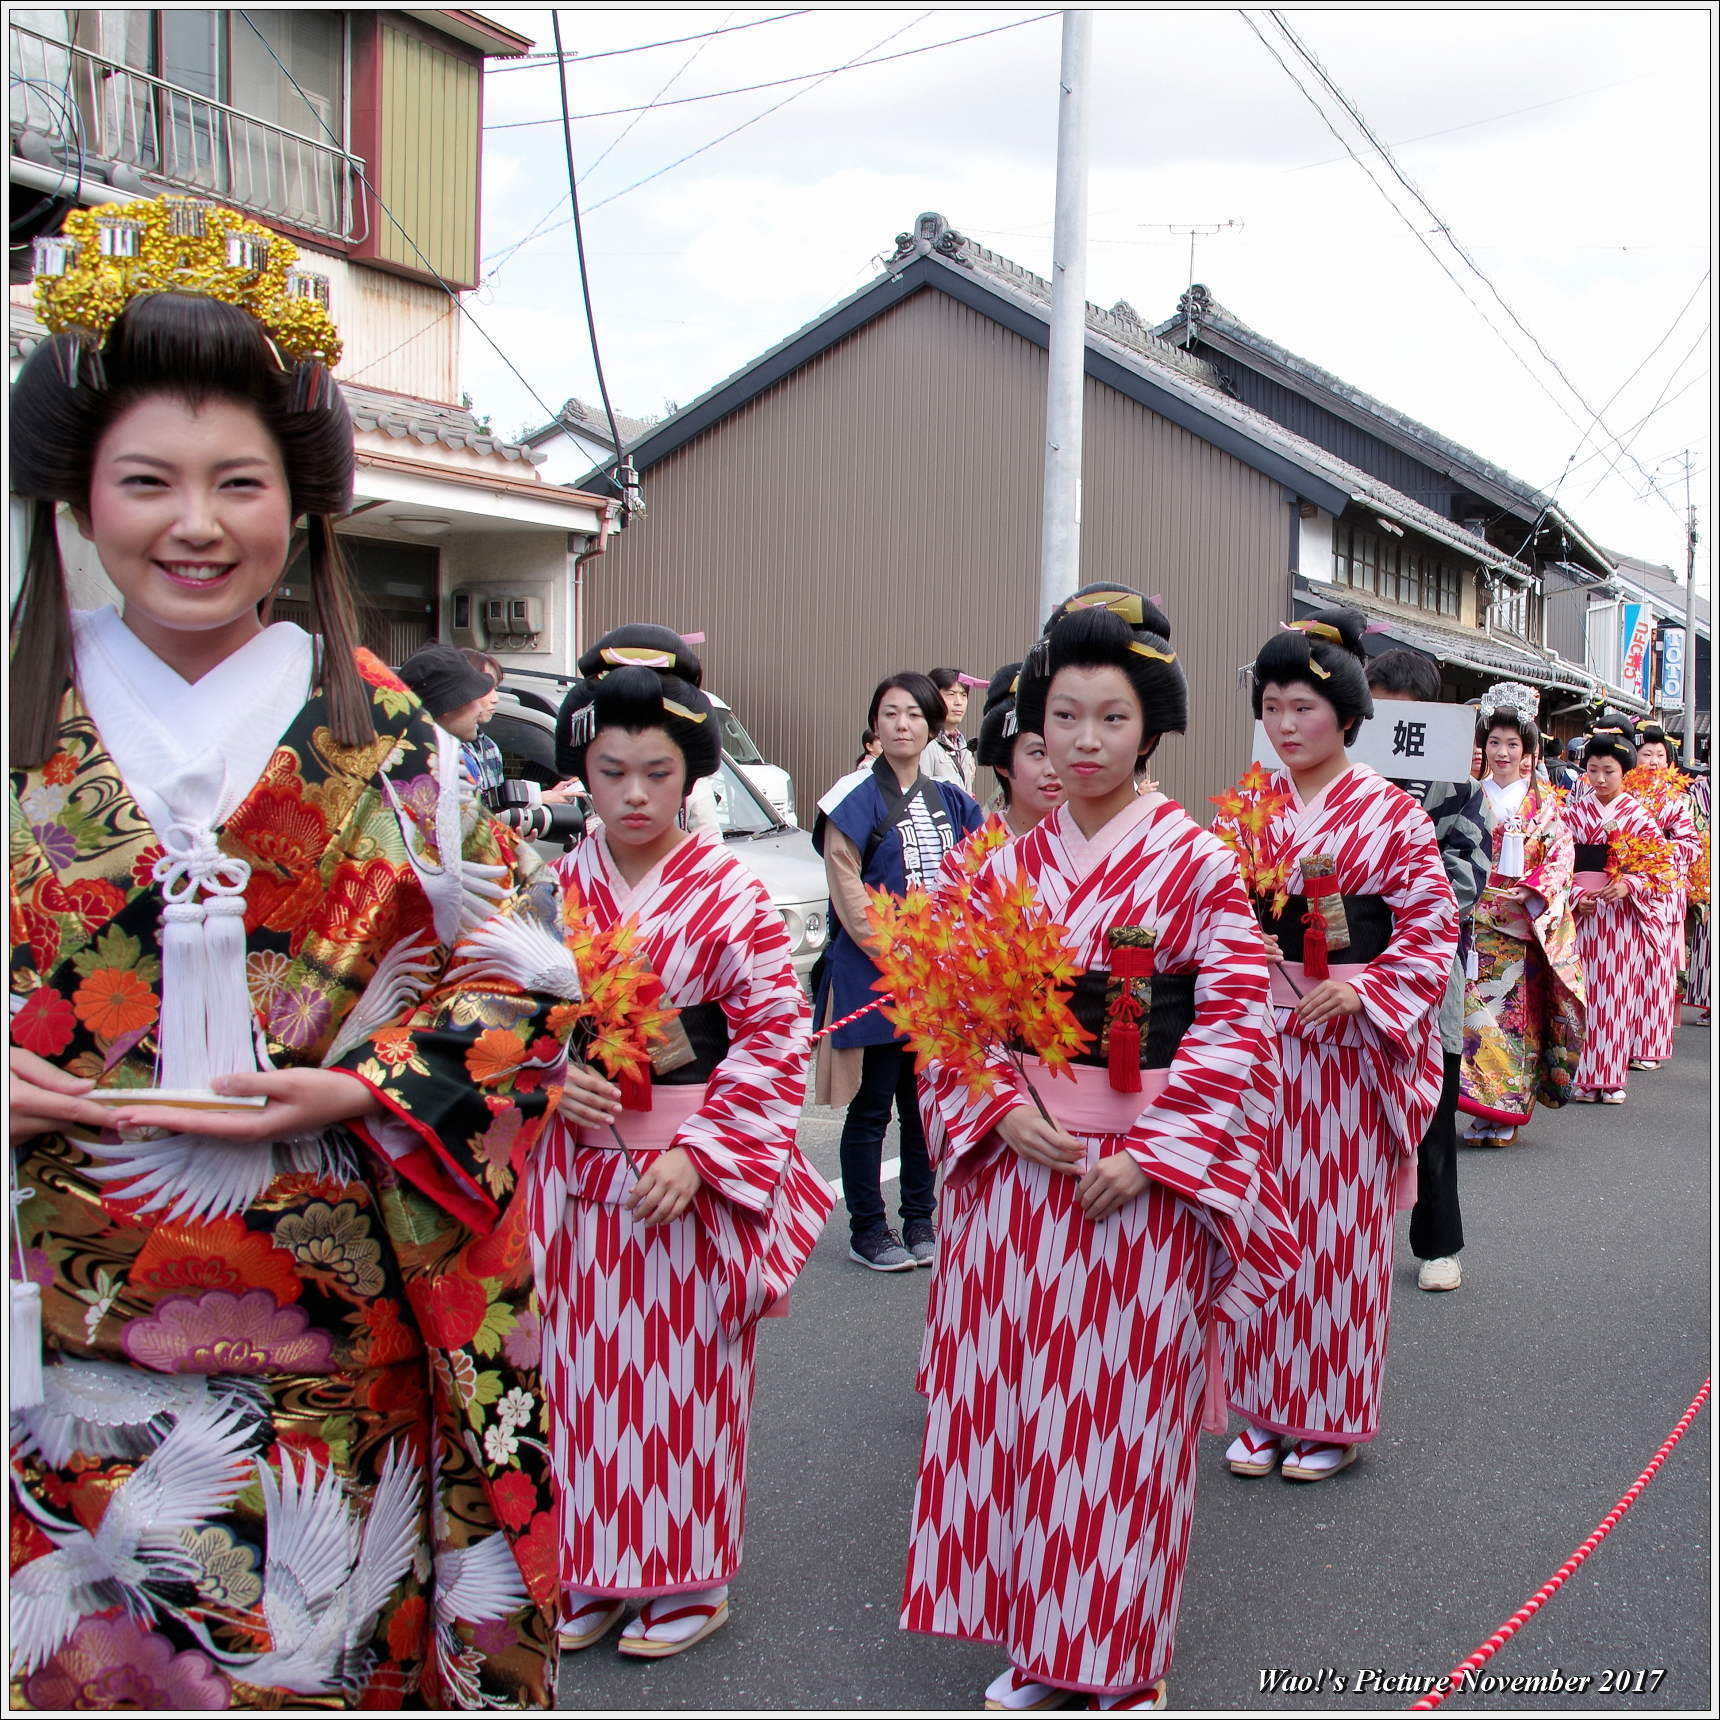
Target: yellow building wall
[[430, 151]]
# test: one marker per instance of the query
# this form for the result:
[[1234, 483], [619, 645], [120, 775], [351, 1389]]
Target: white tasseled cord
[[207, 1027], [1511, 847], [24, 1294]]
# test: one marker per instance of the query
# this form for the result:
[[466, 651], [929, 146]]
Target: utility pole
[[1690, 652], [1060, 530]]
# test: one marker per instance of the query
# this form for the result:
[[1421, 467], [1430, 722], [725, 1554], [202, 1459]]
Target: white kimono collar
[[189, 751]]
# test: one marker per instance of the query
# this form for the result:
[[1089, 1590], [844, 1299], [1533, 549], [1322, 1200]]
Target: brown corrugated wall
[[879, 510]]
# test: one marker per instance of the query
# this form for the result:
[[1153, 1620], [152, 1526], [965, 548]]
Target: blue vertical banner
[[1672, 647]]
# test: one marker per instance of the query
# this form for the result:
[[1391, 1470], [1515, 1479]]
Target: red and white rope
[[1458, 1677]]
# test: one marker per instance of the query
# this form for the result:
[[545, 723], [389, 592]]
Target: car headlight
[[805, 928]]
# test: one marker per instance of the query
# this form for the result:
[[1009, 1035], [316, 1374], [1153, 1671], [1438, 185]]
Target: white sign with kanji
[[1404, 740]]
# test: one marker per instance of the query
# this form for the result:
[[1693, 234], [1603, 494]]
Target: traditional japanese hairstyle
[[1654, 732], [1108, 626], [1323, 652], [1514, 706], [1612, 735], [639, 677], [998, 727], [177, 297]]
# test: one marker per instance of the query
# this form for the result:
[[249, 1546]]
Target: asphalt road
[[1518, 1409]]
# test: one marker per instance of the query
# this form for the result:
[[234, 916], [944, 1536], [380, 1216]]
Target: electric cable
[[499, 258], [1443, 226], [531, 62], [775, 107], [615, 465], [429, 267], [777, 83], [1414, 231]]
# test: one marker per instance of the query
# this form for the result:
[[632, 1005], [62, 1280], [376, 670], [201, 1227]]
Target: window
[[1397, 571], [206, 100]]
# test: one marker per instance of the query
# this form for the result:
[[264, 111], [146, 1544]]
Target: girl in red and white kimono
[[1617, 919], [1085, 1262], [673, 1215], [1663, 793], [1367, 944]]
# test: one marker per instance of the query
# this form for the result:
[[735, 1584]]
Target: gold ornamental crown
[[112, 253]]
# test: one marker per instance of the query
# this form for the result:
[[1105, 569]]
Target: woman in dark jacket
[[884, 826]]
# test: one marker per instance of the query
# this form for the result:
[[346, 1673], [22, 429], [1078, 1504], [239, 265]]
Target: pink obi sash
[[652, 1131], [1288, 975], [751, 1258], [1090, 1105]]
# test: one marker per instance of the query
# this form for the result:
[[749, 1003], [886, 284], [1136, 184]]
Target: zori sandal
[[589, 1620], [1314, 1460], [671, 1624]]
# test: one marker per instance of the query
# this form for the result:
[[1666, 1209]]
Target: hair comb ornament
[[1126, 604], [1315, 630], [638, 657], [676, 709], [1522, 701], [582, 726], [109, 255], [1148, 651]]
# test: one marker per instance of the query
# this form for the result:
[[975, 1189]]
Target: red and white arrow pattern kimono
[[1068, 1362], [1357, 1095], [649, 1333], [1658, 1028], [1615, 941]]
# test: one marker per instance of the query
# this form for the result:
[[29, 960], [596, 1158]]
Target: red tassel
[[1314, 946], [1129, 962], [635, 1092]]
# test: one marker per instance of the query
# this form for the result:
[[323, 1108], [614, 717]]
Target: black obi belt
[[1591, 857], [704, 1034], [1368, 917], [1167, 1013]]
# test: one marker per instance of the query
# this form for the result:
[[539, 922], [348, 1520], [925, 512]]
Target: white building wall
[[397, 334], [1314, 547], [533, 564]]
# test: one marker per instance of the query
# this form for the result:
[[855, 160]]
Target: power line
[[777, 83], [1414, 231], [618, 464], [774, 108], [1660, 399], [500, 258], [531, 62], [1486, 119], [429, 267], [1632, 378], [1443, 226]]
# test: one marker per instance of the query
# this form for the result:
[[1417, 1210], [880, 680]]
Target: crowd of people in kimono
[[385, 1302]]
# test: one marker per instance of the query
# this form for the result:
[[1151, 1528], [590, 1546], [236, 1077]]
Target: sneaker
[[882, 1250], [1443, 1273], [921, 1240]]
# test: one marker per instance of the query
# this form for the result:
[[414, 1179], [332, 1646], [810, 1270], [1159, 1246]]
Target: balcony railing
[[94, 111]]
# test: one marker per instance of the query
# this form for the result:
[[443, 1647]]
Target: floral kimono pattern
[[291, 1390], [1524, 1006]]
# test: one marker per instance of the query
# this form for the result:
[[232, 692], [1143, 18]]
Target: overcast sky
[[1566, 149]]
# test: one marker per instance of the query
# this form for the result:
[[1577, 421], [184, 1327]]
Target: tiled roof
[[427, 422], [1467, 647], [1209, 313], [589, 421]]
